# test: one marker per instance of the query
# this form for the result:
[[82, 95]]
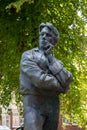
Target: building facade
[[13, 120]]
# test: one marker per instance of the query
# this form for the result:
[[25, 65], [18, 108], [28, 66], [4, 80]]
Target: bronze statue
[[42, 79]]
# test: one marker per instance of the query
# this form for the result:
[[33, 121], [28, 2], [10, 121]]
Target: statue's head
[[48, 33]]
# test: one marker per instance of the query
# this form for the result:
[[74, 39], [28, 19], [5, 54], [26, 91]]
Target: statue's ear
[[42, 25]]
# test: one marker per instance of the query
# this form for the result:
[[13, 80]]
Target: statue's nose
[[44, 36]]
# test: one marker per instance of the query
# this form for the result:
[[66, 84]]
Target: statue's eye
[[48, 35], [42, 34]]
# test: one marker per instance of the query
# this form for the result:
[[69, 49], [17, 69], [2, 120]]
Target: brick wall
[[67, 127], [15, 121], [0, 122], [73, 128]]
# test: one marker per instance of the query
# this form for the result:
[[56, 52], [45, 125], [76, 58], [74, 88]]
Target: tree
[[19, 21]]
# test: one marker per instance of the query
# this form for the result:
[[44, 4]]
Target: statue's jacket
[[35, 75]]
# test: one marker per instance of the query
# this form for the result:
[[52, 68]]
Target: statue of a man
[[42, 79]]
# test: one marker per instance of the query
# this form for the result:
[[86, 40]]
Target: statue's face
[[45, 38]]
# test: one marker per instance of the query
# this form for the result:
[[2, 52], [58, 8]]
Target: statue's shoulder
[[29, 53]]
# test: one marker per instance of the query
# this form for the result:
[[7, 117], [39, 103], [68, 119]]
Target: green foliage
[[17, 5], [19, 22]]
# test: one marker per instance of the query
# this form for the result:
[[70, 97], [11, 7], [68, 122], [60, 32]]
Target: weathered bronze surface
[[42, 79]]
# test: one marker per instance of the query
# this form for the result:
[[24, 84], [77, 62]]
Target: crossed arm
[[39, 77]]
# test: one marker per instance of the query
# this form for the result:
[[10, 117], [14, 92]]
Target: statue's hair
[[51, 28]]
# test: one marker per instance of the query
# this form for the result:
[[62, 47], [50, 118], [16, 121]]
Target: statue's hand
[[48, 49], [50, 59], [41, 60]]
